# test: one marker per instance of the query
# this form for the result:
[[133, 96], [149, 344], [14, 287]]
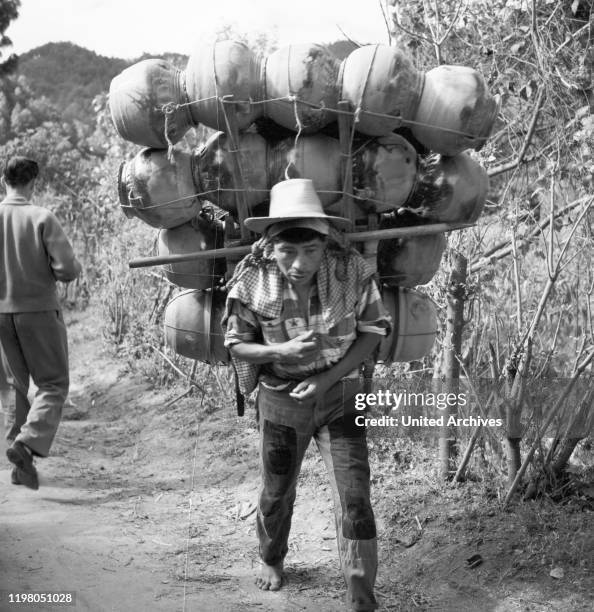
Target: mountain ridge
[[71, 76]]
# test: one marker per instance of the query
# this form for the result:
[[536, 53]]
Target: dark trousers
[[286, 429], [34, 344]]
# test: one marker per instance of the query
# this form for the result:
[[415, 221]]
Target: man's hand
[[314, 387], [303, 346], [299, 349]]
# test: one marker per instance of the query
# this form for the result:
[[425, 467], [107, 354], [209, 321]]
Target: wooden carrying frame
[[237, 242]]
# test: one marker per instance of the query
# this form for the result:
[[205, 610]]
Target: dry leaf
[[557, 572]]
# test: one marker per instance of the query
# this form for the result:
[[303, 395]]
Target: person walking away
[[35, 254], [303, 313]]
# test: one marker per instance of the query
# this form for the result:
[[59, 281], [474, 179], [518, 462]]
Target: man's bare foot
[[270, 578]]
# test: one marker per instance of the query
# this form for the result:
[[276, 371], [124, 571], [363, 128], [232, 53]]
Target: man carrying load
[[303, 312]]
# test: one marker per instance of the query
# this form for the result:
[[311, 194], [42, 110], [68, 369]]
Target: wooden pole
[[240, 251], [230, 113], [345, 129]]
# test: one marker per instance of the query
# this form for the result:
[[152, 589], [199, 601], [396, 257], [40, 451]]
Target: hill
[[70, 76]]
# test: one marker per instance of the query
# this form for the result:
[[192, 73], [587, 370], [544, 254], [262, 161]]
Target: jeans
[[286, 428], [35, 345]]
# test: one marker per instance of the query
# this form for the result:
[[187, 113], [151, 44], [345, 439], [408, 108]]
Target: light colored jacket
[[34, 254]]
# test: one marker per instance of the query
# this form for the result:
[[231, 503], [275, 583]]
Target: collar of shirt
[[20, 200]]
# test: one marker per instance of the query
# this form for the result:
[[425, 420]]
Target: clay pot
[[225, 68], [456, 111], [380, 79], [158, 191], [314, 157], [384, 173], [414, 325], [309, 72], [408, 262], [143, 102], [450, 189], [384, 170], [192, 325], [214, 170], [200, 234]]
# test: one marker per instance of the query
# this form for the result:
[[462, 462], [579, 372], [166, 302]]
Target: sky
[[128, 28]]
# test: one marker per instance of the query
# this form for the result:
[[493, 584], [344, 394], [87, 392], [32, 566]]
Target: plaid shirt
[[263, 307]]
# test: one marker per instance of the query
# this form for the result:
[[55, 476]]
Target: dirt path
[[135, 512], [144, 506]]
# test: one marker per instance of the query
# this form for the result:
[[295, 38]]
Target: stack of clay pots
[[411, 131]]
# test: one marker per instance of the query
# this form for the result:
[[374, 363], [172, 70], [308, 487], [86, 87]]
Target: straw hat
[[294, 199]]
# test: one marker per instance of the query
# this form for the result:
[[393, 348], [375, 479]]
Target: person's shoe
[[23, 461], [14, 477], [29, 479]]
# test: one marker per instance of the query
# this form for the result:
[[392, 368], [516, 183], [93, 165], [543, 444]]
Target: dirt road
[[140, 507], [149, 506]]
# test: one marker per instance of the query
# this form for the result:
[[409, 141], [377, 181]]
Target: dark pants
[[286, 428], [34, 345]]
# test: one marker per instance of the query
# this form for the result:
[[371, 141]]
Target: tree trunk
[[514, 458], [567, 447], [456, 297], [513, 423], [517, 367], [580, 426]]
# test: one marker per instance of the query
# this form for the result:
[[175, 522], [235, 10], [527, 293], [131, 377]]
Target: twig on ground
[[175, 368]]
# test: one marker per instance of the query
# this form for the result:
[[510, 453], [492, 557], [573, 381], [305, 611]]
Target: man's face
[[299, 263]]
